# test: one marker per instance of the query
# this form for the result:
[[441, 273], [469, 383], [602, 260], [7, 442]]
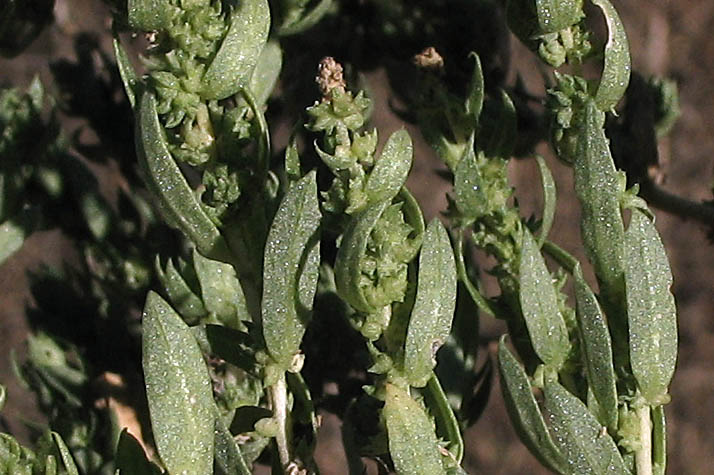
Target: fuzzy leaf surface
[[616, 72], [291, 262], [178, 389], [430, 321], [651, 310]]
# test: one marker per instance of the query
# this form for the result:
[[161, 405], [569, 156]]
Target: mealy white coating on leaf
[[291, 262], [617, 68], [178, 390], [391, 168], [539, 304], [651, 310], [430, 321], [412, 441], [580, 436]]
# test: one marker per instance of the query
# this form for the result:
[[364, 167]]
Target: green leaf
[[227, 456], [430, 321], [179, 293], [616, 72], [651, 310], [178, 390], [226, 343], [474, 98], [587, 447], [65, 455], [130, 458], [13, 233], [524, 412], [598, 187], [549, 200], [168, 185], [447, 425], [539, 304], [469, 195], [238, 55], [266, 72], [126, 70], [597, 350], [148, 15], [412, 442], [391, 169], [292, 257], [307, 20], [221, 291], [350, 254]]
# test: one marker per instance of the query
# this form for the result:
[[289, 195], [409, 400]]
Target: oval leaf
[[168, 185], [586, 446], [233, 65], [597, 350], [651, 310], [469, 195], [616, 72], [178, 389], [539, 304], [524, 412], [292, 258], [412, 442], [391, 169], [430, 321]]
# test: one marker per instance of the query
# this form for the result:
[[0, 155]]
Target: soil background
[[669, 38]]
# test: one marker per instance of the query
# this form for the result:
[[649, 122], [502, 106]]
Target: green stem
[[476, 296], [566, 260], [643, 456]]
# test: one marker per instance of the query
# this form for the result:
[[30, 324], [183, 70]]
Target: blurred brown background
[[669, 38]]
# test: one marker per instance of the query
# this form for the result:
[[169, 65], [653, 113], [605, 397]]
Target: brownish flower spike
[[429, 59], [329, 76]]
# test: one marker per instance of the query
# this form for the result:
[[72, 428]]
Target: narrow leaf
[[616, 72], [126, 70], [651, 310], [539, 304], [179, 293], [598, 188], [430, 321], [66, 456], [233, 65], [221, 291], [412, 442], [597, 350], [391, 168], [498, 135], [447, 425], [167, 183], [292, 256], [474, 98], [549, 200], [524, 412], [307, 20], [178, 390], [350, 254], [586, 446]]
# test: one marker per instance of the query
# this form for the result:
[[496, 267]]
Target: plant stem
[[682, 207], [643, 457], [279, 400]]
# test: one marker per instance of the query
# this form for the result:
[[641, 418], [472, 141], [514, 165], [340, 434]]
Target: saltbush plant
[[265, 276]]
